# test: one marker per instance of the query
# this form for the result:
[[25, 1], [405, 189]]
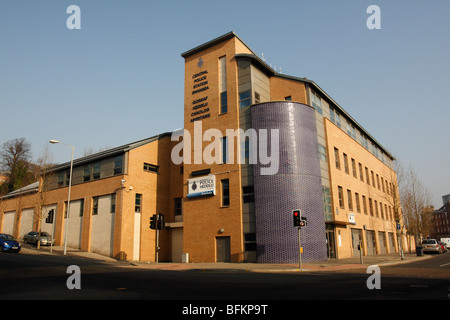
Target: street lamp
[[68, 200]]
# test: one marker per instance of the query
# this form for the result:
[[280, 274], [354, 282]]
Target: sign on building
[[202, 186]]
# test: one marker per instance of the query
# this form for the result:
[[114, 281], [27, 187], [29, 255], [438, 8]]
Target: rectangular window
[[367, 176], [245, 99], [257, 97], [361, 173], [341, 197], [138, 203], [346, 163], [225, 188], [370, 207], [178, 206], [373, 178], [248, 194], [250, 241], [349, 199], [336, 158], [96, 171], [364, 204], [224, 150], [354, 168], [94, 206], [118, 165], [113, 203], [358, 207], [316, 102], [151, 167], [322, 153], [81, 207], [223, 84], [87, 173]]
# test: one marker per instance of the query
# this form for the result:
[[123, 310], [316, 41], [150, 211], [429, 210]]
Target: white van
[[446, 241]]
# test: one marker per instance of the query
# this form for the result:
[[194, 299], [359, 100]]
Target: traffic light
[[153, 222], [296, 214], [160, 222], [49, 218]]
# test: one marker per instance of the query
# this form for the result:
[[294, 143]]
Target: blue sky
[[120, 78]]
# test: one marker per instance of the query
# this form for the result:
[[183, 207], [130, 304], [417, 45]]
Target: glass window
[[96, 171], [113, 203], [118, 165], [224, 150], [223, 102], [336, 158], [248, 194], [95, 206], [245, 99], [137, 202], [225, 186], [178, 206], [341, 197], [316, 102]]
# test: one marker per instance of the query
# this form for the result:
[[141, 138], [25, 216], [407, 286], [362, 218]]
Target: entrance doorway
[[331, 248], [356, 241], [223, 249]]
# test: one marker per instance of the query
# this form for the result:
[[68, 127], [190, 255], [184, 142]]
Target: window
[[376, 208], [288, 98], [225, 187], [354, 168], [87, 173], [316, 102], [118, 165], [113, 203], [341, 197], [367, 176], [364, 204], [257, 97], [327, 203], [349, 199], [373, 178], [248, 194], [178, 206], [245, 99], [81, 207], [151, 167], [358, 207], [224, 150], [63, 178], [346, 163], [361, 173], [335, 117], [250, 241], [96, 171], [370, 207], [336, 158], [223, 84], [94, 205], [138, 203], [322, 153]]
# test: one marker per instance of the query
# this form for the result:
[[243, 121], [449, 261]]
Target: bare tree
[[416, 204], [41, 174]]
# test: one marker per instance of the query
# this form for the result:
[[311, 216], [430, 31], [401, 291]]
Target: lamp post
[[68, 200]]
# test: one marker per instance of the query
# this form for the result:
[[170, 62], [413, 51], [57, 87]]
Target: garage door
[[26, 222], [371, 248], [8, 222]]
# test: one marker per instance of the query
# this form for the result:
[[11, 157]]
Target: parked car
[[443, 246], [431, 245], [8, 243], [33, 237]]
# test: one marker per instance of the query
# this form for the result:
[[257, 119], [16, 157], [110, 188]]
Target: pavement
[[330, 265]]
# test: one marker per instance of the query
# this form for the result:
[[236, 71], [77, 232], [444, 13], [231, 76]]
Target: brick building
[[256, 145]]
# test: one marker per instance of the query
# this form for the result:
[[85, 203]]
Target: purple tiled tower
[[296, 185]]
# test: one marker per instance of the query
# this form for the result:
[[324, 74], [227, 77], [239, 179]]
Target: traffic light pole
[[157, 245], [299, 250]]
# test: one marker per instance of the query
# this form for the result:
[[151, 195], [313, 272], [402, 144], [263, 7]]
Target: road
[[45, 277]]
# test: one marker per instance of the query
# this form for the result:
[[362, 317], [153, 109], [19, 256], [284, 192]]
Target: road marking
[[418, 286], [445, 264]]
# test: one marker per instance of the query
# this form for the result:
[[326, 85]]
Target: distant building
[[441, 220]]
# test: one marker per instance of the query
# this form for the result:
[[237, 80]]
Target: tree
[[416, 204], [15, 162]]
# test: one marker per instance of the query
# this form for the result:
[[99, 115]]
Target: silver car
[[431, 245], [33, 237]]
